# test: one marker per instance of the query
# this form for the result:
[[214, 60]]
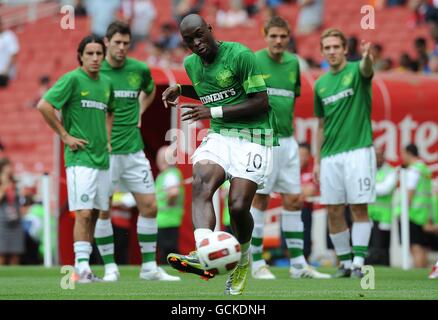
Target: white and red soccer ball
[[219, 252]]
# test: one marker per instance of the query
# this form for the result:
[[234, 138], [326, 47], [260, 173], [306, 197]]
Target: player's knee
[[239, 206], [149, 210], [84, 217], [201, 189], [292, 203], [260, 202]]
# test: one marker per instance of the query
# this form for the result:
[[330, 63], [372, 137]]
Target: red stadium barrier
[[404, 110]]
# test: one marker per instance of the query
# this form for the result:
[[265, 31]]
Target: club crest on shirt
[[224, 78], [347, 79], [134, 80]]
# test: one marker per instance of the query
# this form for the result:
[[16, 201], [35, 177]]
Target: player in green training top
[[345, 155], [281, 72], [239, 145], [134, 91], [85, 99]]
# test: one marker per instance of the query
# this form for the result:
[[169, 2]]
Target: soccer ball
[[219, 252]]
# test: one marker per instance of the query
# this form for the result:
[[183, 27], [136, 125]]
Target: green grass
[[39, 283]]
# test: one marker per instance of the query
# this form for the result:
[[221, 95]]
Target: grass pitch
[[28, 283]]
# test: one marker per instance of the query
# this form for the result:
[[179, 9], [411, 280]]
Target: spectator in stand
[[377, 52], [80, 10], [308, 190], [2, 151], [393, 3], [251, 7], [102, 13], [182, 8], [310, 16], [433, 63], [169, 38], [9, 49], [11, 231], [233, 17], [44, 85], [405, 63], [158, 56], [422, 12], [353, 53], [434, 36], [422, 55], [140, 14]]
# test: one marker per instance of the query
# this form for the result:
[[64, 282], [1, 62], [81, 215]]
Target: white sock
[[82, 250], [104, 236], [245, 249], [341, 242], [292, 227], [147, 238], [436, 264], [257, 238], [201, 233], [360, 237]]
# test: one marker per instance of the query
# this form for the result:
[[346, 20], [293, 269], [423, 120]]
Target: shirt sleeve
[[148, 83], [413, 176], [60, 93], [317, 105], [248, 73]]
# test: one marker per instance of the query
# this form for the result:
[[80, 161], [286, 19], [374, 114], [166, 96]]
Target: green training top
[[344, 101], [134, 76], [283, 82], [84, 103], [228, 81]]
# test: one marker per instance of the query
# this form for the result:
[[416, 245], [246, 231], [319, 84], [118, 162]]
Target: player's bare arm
[[109, 128], [172, 93], [52, 120], [257, 103], [145, 100], [319, 141], [366, 64]]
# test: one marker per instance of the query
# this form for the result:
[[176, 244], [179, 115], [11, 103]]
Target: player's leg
[[104, 233], [137, 178], [82, 184], [333, 194], [360, 171], [259, 269], [251, 165], [209, 163], [242, 192], [340, 237]]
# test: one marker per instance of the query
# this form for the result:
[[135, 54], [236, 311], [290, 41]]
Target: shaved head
[[197, 35], [192, 21]]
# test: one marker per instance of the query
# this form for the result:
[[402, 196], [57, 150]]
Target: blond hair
[[333, 32]]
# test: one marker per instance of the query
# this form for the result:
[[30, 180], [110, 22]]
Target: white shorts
[[131, 172], [87, 188], [285, 175], [349, 177], [238, 157]]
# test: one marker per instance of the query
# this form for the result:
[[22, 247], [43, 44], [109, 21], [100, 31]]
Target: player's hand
[[365, 47], [316, 172], [196, 112], [170, 95], [74, 143], [110, 148]]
